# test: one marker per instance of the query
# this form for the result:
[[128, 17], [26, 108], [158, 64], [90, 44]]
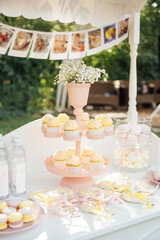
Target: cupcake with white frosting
[[62, 117], [95, 129], [96, 161], [53, 127], [70, 151], [108, 125], [71, 130], [86, 154], [45, 119], [73, 164], [59, 159], [84, 121]]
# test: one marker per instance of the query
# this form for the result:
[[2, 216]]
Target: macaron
[[132, 139], [2, 205], [8, 210], [3, 221], [136, 130], [143, 139], [26, 203], [145, 129], [14, 203], [27, 214], [15, 220]]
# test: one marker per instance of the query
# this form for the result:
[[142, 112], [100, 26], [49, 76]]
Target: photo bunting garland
[[21, 43], [41, 45], [77, 46], [61, 45], [6, 36]]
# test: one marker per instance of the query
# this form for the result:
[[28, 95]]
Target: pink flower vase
[[78, 94], [78, 97]]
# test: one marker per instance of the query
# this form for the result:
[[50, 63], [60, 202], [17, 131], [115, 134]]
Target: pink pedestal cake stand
[[78, 96], [83, 178]]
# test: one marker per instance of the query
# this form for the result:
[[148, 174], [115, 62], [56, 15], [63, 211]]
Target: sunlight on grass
[[7, 126]]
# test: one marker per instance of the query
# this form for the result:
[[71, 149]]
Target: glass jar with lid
[[132, 143]]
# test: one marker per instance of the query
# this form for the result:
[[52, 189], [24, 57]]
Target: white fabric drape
[[96, 12]]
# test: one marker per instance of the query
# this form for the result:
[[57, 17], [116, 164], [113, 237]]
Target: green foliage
[[27, 85]]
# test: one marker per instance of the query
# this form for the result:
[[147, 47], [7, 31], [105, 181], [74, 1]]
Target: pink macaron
[[143, 139], [8, 210], [136, 130], [27, 213], [3, 221], [15, 220], [14, 203], [145, 129], [132, 139], [124, 128]]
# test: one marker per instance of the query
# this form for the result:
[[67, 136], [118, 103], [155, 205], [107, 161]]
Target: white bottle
[[4, 183], [10, 150], [18, 165], [10, 147]]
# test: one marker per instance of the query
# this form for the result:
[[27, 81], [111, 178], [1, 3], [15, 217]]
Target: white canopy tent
[[95, 12]]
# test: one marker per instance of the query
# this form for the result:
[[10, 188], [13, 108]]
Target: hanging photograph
[[59, 48], [21, 43], [78, 45], [123, 29], [6, 34], [41, 45], [94, 41], [109, 35]]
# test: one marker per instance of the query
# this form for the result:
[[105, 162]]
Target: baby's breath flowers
[[79, 72]]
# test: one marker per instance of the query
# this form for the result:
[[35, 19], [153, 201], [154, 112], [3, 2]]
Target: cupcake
[[45, 119], [53, 127], [95, 129], [62, 117], [73, 164], [70, 151], [99, 117], [86, 154], [96, 161], [60, 159], [84, 121], [108, 125], [71, 130]]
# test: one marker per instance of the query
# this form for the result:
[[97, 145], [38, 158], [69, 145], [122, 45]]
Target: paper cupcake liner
[[85, 160], [59, 164], [74, 169], [71, 133], [96, 166], [108, 130], [44, 125], [53, 132], [95, 134]]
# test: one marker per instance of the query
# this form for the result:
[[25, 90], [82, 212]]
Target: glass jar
[[132, 141]]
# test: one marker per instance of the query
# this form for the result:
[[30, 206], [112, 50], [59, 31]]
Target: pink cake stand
[[83, 178], [78, 96]]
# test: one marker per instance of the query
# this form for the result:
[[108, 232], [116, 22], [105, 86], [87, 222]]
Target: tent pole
[[134, 32]]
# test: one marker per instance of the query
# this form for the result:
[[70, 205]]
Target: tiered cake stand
[[78, 96]]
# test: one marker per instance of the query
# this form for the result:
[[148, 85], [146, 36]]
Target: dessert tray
[[79, 179], [38, 213]]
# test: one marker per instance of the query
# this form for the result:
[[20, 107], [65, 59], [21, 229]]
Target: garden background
[[27, 85]]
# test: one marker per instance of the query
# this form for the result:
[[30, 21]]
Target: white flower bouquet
[[79, 72]]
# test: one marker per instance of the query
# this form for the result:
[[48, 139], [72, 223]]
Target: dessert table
[[127, 223]]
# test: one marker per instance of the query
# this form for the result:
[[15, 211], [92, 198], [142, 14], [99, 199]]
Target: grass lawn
[[7, 126]]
